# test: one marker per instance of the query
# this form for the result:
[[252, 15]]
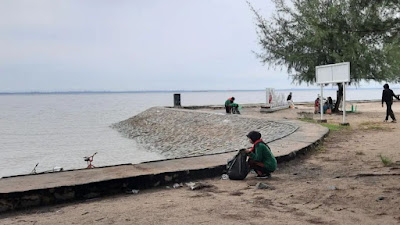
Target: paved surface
[[306, 135], [177, 133]]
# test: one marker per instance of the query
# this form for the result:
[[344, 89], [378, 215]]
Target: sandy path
[[302, 188]]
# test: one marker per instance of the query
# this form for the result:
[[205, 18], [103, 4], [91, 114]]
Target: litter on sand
[[197, 185]]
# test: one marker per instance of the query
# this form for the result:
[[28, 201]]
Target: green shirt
[[263, 154], [230, 103]]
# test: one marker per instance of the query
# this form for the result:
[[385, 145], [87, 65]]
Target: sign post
[[333, 73], [344, 105], [321, 106]]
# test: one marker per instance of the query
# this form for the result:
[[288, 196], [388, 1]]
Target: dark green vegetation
[[309, 33], [386, 160]]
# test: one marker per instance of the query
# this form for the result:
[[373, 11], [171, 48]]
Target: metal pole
[[344, 102], [320, 102]]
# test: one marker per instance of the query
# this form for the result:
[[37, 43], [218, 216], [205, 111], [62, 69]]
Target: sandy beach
[[343, 181]]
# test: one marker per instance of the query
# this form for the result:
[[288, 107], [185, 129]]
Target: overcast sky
[[96, 45]]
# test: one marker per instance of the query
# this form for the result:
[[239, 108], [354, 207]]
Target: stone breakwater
[[178, 133]]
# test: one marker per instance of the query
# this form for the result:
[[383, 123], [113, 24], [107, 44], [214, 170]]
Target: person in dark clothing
[[387, 97], [289, 97], [330, 102], [290, 101], [261, 159]]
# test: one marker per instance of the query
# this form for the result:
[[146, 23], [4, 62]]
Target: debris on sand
[[176, 185], [133, 191], [198, 185]]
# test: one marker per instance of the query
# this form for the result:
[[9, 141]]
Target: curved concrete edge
[[223, 115], [47, 189], [307, 138]]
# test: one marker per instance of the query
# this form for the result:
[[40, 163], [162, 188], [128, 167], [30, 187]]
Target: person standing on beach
[[261, 159], [387, 97]]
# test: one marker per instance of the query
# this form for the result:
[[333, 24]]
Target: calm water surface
[[60, 129]]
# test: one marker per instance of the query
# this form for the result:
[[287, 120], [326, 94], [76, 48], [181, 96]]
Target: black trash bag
[[238, 167], [235, 110]]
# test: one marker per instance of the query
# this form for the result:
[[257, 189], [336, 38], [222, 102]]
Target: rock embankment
[[179, 133]]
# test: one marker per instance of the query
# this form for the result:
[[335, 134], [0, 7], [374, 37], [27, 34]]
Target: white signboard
[[333, 73]]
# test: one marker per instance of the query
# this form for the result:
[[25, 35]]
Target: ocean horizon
[[168, 91]]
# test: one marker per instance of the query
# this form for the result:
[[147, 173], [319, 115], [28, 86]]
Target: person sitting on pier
[[231, 107], [261, 159]]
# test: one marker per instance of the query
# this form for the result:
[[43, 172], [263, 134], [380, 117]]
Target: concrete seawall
[[45, 189]]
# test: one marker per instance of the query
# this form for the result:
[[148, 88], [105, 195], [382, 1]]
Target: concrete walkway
[[43, 189]]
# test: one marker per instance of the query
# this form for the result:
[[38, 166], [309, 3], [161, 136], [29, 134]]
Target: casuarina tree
[[303, 34]]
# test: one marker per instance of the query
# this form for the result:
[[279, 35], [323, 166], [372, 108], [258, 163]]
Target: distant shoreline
[[161, 91]]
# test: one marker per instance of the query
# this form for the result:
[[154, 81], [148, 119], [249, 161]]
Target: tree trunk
[[339, 97]]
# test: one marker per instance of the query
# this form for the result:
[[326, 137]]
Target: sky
[[124, 45]]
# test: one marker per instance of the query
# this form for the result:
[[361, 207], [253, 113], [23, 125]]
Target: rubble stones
[[181, 133]]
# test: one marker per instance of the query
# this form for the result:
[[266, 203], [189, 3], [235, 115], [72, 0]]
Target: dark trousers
[[228, 109], [389, 111], [258, 167]]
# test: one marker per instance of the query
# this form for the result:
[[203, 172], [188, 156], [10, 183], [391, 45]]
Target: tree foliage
[[307, 33]]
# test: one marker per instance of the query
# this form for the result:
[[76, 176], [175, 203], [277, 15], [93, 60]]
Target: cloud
[[51, 45]]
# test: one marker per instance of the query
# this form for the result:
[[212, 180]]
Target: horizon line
[[162, 91]]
